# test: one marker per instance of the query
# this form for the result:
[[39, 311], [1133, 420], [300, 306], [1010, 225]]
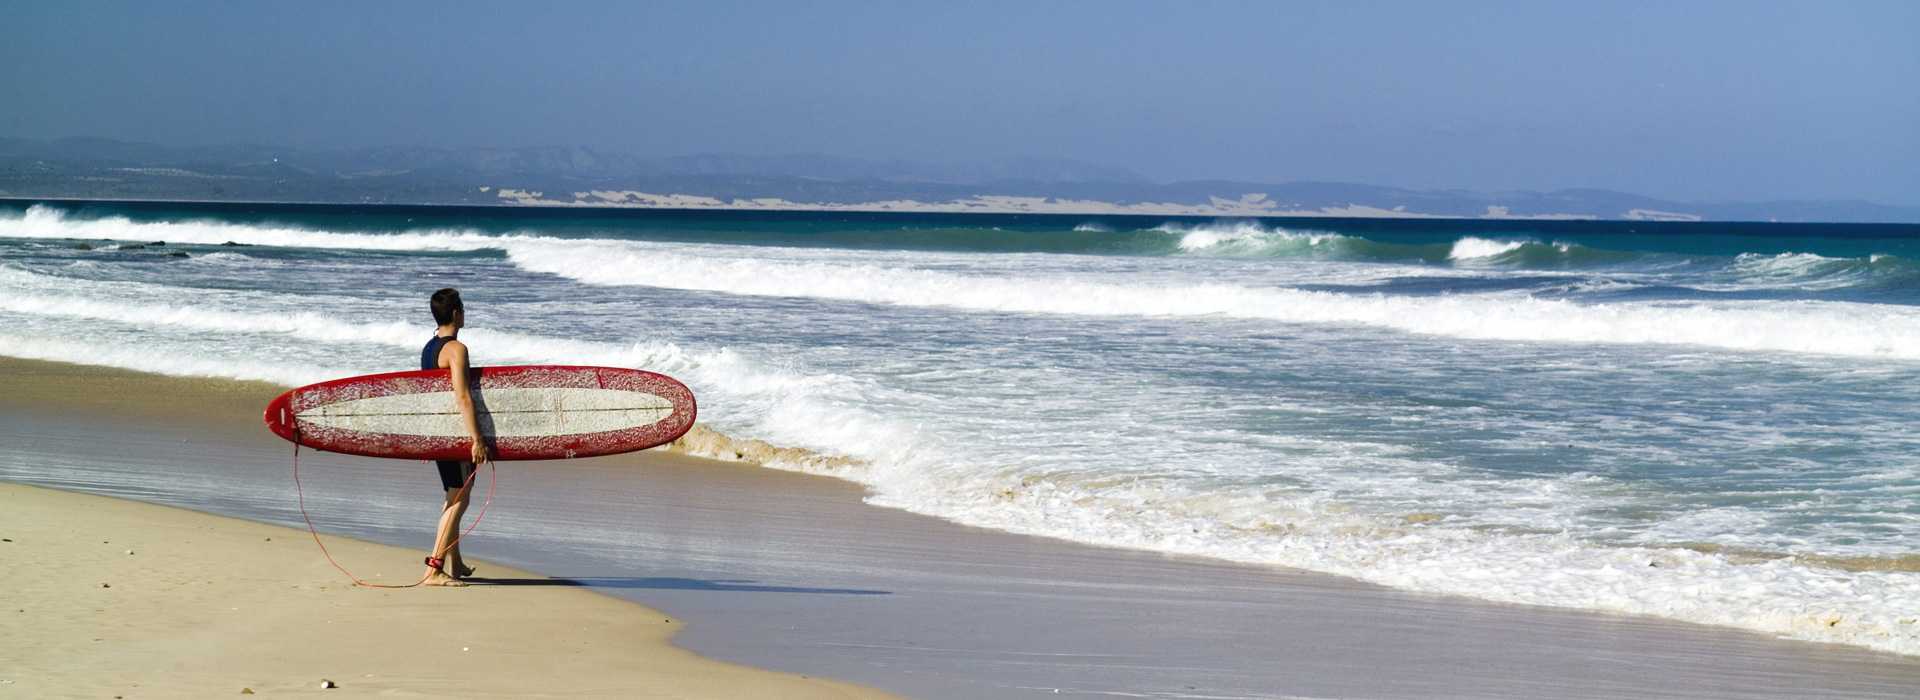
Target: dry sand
[[111, 598]]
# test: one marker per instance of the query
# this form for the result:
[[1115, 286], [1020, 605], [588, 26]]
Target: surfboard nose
[[279, 415]]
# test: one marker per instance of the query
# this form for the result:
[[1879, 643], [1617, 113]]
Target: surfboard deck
[[526, 412]]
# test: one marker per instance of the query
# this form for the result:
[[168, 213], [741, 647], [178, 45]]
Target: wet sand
[[793, 572]]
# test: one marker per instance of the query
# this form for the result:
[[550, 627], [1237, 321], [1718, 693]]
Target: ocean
[[1700, 421]]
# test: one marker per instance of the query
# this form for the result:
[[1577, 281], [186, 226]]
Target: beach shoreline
[[794, 573], [117, 597], [114, 595]]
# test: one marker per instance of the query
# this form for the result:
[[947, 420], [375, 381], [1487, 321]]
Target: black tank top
[[430, 355]]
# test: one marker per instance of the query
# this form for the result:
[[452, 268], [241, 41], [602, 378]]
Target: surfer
[[445, 351]]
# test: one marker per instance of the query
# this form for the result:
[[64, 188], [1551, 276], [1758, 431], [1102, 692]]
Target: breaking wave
[[759, 412], [1470, 248], [47, 222], [1223, 239], [1832, 328], [1816, 272]]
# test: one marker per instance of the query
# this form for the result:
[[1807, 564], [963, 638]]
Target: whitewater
[[1688, 423]]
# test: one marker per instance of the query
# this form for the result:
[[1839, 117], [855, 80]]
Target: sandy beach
[[770, 569], [113, 598], [125, 599]]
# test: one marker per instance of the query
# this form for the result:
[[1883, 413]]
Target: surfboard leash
[[493, 477]]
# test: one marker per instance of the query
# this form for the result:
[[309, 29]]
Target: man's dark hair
[[444, 303]]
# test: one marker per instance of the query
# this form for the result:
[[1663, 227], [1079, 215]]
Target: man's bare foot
[[461, 570], [439, 578]]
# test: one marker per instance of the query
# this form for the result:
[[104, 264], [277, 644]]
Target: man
[[445, 351]]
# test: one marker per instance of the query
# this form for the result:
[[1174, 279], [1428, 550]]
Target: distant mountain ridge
[[551, 161], [571, 175]]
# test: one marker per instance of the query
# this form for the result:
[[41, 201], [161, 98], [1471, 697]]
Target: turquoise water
[[1702, 421]]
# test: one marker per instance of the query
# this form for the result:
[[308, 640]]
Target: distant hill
[[108, 169]]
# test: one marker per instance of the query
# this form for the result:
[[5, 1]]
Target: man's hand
[[480, 452]]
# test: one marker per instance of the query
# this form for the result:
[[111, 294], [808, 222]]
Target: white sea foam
[[1792, 270], [1471, 248], [226, 258], [1244, 238], [1863, 330], [1831, 328], [1869, 609], [909, 462], [763, 401], [44, 222], [306, 326]]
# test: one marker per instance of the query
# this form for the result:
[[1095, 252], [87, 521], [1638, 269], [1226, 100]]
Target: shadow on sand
[[675, 584]]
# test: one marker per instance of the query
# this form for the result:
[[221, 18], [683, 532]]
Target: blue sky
[[1689, 100]]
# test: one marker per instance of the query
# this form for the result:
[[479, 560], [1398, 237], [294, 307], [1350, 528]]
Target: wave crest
[[1832, 328], [1817, 272], [40, 221]]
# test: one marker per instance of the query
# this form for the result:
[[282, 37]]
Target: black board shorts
[[453, 474]]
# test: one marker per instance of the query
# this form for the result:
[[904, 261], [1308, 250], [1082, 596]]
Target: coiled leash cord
[[493, 477]]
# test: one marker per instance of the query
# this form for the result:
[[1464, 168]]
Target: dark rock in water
[[82, 246], [157, 244], [178, 254], [231, 244], [133, 246]]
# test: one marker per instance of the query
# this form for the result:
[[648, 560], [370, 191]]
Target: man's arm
[[463, 397]]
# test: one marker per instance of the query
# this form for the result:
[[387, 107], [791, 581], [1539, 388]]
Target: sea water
[[1707, 422]]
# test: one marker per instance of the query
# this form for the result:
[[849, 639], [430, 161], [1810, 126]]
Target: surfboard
[[525, 412]]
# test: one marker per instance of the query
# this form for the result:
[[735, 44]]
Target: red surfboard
[[525, 412]]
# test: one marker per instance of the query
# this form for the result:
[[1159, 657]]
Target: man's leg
[[443, 542], [456, 565]]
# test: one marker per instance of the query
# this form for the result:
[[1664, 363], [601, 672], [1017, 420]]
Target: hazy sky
[[1690, 100]]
